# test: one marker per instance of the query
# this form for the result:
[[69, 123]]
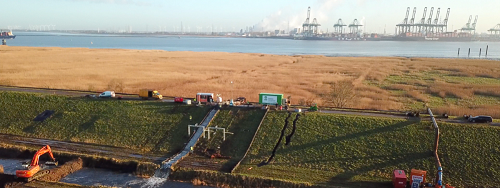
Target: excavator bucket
[[51, 163]]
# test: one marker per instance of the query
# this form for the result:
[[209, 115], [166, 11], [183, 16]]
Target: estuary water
[[261, 45], [97, 177]]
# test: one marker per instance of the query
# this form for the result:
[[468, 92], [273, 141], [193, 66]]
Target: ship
[[448, 37], [7, 35]]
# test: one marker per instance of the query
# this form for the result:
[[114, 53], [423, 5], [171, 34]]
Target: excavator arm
[[44, 150]]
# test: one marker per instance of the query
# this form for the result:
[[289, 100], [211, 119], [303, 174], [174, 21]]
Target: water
[[11, 165], [96, 177], [254, 45]]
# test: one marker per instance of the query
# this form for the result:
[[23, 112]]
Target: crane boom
[[447, 16], [436, 20], [474, 24], [405, 21], [429, 20], [412, 21], [422, 21]]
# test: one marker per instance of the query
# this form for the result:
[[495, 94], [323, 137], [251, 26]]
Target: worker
[[191, 151], [190, 118]]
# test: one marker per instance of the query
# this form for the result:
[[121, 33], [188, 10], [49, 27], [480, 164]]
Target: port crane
[[354, 26], [32, 171], [495, 30], [412, 21], [470, 27], [339, 26]]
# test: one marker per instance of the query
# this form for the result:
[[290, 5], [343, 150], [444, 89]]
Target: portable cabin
[[204, 97]]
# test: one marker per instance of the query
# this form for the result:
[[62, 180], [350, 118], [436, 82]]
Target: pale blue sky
[[231, 15]]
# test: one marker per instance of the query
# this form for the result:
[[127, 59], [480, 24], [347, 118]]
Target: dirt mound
[[63, 170], [8, 181]]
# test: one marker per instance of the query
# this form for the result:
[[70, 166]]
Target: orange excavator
[[32, 171]]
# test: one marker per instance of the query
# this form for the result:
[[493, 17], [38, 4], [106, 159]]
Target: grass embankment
[[243, 122], [358, 151], [139, 125]]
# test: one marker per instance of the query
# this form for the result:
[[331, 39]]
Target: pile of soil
[[63, 170], [9, 181]]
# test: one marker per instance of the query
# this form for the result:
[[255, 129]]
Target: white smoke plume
[[282, 19]]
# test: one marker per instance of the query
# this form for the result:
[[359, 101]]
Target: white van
[[107, 94]]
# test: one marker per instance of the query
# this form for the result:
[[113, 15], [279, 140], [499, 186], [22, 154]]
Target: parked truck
[[149, 94]]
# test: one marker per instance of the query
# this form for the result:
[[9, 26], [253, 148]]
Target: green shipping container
[[270, 98]]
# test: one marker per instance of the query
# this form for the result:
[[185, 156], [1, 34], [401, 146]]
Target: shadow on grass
[[32, 127], [349, 137], [84, 126]]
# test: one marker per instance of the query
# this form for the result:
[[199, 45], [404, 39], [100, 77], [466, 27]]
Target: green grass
[[243, 123], [140, 125], [359, 151], [446, 76]]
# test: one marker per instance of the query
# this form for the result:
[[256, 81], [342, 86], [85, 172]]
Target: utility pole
[[231, 92]]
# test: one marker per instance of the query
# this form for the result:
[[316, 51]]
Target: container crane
[[339, 26], [474, 24], [402, 26], [495, 30], [429, 20], [32, 169], [306, 26], [412, 21], [422, 21], [445, 21]]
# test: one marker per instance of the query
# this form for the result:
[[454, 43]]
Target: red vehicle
[[179, 99]]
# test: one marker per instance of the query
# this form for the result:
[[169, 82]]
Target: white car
[[107, 94]]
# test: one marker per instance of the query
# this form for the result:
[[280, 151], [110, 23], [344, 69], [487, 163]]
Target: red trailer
[[399, 179], [179, 99]]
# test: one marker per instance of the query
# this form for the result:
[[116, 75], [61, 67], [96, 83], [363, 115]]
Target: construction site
[[225, 139]]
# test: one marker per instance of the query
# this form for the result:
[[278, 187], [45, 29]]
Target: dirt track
[[108, 151], [134, 97]]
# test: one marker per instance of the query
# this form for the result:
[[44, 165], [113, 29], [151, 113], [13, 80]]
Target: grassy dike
[[353, 151], [144, 126]]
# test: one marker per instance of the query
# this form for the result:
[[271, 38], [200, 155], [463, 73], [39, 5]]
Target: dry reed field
[[456, 86]]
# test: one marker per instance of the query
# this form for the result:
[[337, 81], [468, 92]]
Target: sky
[[232, 15]]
